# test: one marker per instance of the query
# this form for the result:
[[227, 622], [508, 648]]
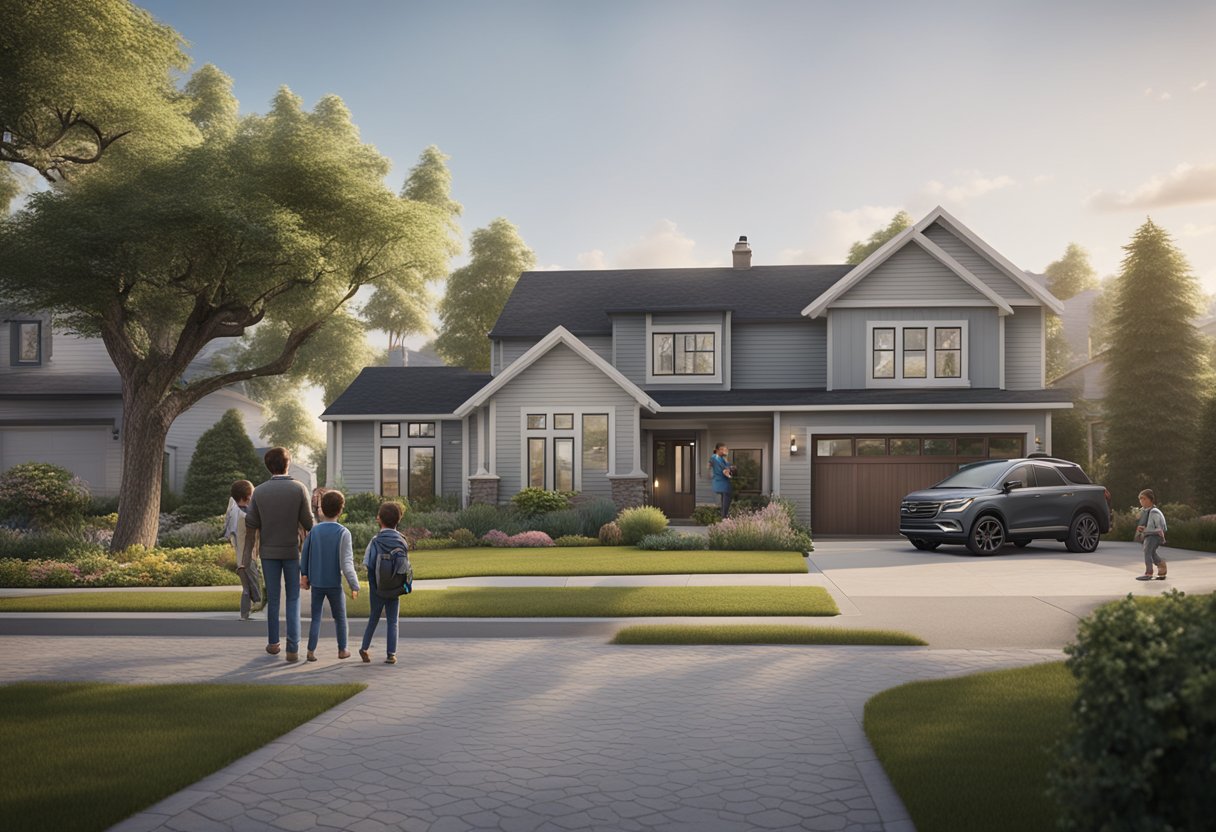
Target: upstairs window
[[25, 348], [917, 354], [684, 353], [422, 430]]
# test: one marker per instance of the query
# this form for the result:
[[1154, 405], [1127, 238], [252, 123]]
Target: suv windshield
[[980, 475]]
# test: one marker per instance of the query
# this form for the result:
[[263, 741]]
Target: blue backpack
[[394, 572]]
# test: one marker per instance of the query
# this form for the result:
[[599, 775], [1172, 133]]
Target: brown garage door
[[858, 481]]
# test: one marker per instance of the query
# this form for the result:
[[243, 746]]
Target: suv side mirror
[[1012, 484]]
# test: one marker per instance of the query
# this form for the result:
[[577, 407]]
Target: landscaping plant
[[223, 455], [595, 513], [610, 534], [479, 518], [559, 523], [706, 515], [670, 541], [636, 523], [769, 528], [1140, 752], [576, 541], [45, 495], [534, 501]]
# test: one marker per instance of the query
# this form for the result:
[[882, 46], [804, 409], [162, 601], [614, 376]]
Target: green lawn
[[483, 602], [596, 560], [83, 756], [972, 753], [758, 634]]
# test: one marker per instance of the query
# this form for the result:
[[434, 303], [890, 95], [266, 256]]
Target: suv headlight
[[957, 505]]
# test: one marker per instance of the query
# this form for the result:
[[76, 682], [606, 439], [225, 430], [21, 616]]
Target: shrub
[[748, 504], [198, 533], [559, 523], [57, 544], [438, 523], [99, 506], [706, 515], [671, 541], [464, 538], [534, 501], [14, 573], [362, 506], [204, 574], [52, 573], [494, 537], [361, 534], [595, 513], [215, 554], [46, 495], [435, 543], [479, 518], [224, 454], [1139, 751], [767, 529], [103, 521], [610, 534], [636, 523], [1178, 512], [415, 534], [576, 540], [528, 540], [447, 502]]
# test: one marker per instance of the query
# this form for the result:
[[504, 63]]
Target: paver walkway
[[539, 734]]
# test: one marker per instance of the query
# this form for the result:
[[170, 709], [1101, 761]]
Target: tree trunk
[[143, 448]]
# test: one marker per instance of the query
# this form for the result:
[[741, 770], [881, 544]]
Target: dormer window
[[684, 353], [917, 353], [25, 347]]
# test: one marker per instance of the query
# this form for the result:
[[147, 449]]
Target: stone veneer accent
[[483, 489], [628, 492]]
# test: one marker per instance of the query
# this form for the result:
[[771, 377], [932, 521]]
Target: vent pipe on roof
[[742, 254]]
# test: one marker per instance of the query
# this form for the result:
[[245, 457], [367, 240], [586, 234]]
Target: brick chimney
[[742, 254]]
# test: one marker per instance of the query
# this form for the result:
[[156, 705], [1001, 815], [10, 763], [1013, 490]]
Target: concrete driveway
[[1029, 597]]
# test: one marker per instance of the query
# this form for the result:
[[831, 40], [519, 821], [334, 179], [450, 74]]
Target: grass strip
[[758, 634], [83, 756], [973, 752], [484, 602], [597, 560]]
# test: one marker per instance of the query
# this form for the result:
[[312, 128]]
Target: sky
[[655, 133]]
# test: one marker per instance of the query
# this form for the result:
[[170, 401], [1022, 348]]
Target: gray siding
[[912, 275], [601, 345], [1024, 348], [559, 380], [450, 481], [779, 355], [629, 347], [188, 428], [850, 353], [473, 449], [978, 264], [358, 457]]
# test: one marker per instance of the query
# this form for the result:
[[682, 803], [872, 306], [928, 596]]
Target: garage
[[858, 481], [82, 449]]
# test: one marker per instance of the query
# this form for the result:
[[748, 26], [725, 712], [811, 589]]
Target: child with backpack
[[1150, 533], [389, 575], [328, 556]]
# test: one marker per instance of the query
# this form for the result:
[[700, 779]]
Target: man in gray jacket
[[279, 514]]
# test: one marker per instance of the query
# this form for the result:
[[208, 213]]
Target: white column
[[330, 451], [775, 473]]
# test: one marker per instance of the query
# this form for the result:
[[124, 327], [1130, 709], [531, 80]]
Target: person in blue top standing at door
[[722, 472]]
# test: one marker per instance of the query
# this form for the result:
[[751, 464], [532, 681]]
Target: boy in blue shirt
[[328, 556]]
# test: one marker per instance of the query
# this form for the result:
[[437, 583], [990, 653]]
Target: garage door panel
[[81, 450]]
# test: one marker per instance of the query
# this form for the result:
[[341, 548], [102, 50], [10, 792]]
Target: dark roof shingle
[[582, 301], [406, 390]]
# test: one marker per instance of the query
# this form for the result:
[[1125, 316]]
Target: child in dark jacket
[[388, 538], [327, 557]]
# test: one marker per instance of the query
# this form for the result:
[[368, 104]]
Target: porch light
[[793, 444], [656, 483]]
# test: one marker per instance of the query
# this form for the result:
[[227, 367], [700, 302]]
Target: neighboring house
[[838, 387], [61, 402]]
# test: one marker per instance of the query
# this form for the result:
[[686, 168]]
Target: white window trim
[[653, 329], [550, 433], [930, 359], [403, 443]]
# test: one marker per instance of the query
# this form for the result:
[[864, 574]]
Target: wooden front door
[[675, 476]]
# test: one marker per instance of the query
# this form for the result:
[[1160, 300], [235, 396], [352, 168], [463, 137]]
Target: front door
[[675, 476]]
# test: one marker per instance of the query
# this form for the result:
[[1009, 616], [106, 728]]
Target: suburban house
[[838, 387], [61, 402]]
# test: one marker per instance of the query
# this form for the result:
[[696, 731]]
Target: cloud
[[1184, 184], [664, 246], [1190, 229], [1148, 91], [839, 230], [1043, 179], [1197, 87], [968, 186], [1165, 96], [552, 267]]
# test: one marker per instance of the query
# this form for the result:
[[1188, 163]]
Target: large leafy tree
[[275, 220], [83, 79], [862, 249], [477, 292], [291, 426], [1155, 375], [1071, 274]]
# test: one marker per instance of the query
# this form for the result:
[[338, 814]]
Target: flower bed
[[195, 566]]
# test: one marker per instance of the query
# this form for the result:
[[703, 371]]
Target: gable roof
[[582, 301], [915, 234], [560, 335], [405, 390]]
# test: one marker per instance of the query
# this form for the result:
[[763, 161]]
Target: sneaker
[[392, 659], [343, 654], [311, 656], [292, 657], [366, 658]]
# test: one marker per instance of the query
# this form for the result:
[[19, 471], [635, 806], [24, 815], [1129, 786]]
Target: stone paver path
[[554, 735]]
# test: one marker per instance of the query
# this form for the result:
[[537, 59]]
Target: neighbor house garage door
[[858, 481], [82, 450]]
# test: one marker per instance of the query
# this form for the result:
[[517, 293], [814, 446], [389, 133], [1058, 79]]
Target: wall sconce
[[793, 444], [114, 433], [1038, 443], [656, 483]]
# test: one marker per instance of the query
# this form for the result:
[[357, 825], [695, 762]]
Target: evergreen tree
[[862, 249], [1205, 452], [1155, 375], [1071, 274], [223, 455], [477, 292]]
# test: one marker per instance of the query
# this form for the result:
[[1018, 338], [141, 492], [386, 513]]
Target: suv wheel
[[987, 535], [1084, 533], [925, 545]]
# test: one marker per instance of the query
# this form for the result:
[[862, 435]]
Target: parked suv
[[988, 504]]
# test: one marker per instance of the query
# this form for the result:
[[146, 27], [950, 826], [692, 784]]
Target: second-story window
[[683, 353], [917, 353], [26, 343]]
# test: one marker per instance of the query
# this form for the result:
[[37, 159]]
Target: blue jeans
[[725, 495], [337, 609], [277, 573], [390, 610]]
